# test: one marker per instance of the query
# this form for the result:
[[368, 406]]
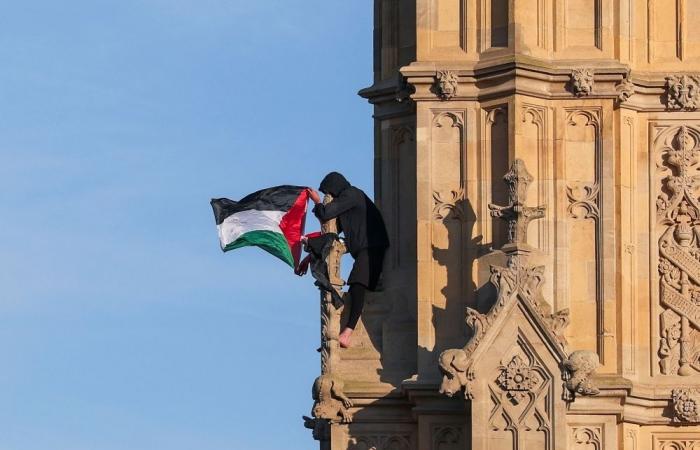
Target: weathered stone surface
[[579, 330]]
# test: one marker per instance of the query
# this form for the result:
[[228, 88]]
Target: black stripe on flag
[[278, 198]]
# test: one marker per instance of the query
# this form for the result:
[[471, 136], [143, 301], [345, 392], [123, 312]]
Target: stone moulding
[[641, 92]]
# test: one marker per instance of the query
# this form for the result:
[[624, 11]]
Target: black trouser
[[364, 276]]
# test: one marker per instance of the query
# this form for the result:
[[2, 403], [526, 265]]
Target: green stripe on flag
[[270, 241]]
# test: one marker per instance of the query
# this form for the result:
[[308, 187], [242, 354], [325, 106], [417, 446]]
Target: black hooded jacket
[[358, 217]]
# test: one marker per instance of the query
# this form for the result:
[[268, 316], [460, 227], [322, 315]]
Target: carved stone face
[[447, 86], [450, 386]]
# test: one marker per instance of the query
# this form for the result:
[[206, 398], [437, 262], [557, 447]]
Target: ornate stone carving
[[517, 379], [583, 198], [457, 375], [448, 205], [519, 402], [381, 442], [625, 89], [516, 280], [447, 438], [676, 444], [678, 210], [587, 437], [447, 84], [578, 369], [582, 80], [516, 213], [683, 91], [686, 405]]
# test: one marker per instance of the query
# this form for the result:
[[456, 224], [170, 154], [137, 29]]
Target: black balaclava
[[334, 183]]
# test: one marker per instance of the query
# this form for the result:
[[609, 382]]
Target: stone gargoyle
[[454, 365], [330, 402], [580, 365]]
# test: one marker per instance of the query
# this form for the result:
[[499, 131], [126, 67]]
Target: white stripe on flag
[[235, 225]]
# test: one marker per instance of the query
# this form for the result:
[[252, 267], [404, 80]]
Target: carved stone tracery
[[516, 280], [678, 211], [586, 437], [381, 442]]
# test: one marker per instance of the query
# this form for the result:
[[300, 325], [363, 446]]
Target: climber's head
[[333, 184]]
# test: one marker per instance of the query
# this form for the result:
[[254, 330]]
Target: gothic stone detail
[[516, 280], [330, 403], [518, 379], [578, 369], [686, 405], [520, 400], [582, 81], [449, 205], [586, 437], [447, 84], [678, 211], [661, 443], [583, 200], [625, 89], [516, 213], [683, 91], [381, 442], [447, 438]]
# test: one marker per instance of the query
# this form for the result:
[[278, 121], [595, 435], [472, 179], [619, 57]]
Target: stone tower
[[538, 166]]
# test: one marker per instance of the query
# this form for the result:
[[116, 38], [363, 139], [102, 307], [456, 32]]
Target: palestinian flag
[[272, 219]]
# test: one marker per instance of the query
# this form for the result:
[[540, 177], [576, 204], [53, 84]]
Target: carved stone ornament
[[517, 280], [516, 214], [579, 367], [448, 205], [683, 91], [678, 212], [686, 405], [587, 437], [517, 379], [330, 403], [380, 442], [447, 84], [582, 81], [583, 201], [625, 89], [676, 444]]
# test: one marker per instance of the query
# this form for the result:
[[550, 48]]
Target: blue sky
[[122, 325]]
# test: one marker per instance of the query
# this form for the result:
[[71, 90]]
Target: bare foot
[[344, 337]]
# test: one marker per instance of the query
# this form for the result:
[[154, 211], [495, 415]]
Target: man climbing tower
[[366, 239]]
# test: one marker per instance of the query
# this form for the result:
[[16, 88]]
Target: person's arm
[[333, 209]]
